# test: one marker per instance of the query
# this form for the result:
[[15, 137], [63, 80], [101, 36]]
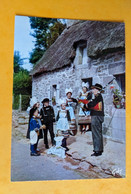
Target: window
[[54, 90], [120, 81], [89, 80], [55, 94], [81, 48], [82, 55]]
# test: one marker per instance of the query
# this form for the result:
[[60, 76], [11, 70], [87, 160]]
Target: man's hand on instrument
[[86, 105]]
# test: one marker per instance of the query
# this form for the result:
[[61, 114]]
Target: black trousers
[[96, 127], [49, 127]]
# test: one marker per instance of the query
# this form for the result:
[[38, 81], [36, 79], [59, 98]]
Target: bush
[[25, 102], [25, 99], [22, 83], [16, 102]]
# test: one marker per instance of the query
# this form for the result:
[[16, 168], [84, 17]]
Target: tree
[[46, 31], [55, 31], [22, 81], [18, 62], [40, 27]]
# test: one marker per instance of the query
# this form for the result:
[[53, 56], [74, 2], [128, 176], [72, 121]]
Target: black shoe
[[54, 143], [46, 146], [35, 154], [96, 154], [67, 149]]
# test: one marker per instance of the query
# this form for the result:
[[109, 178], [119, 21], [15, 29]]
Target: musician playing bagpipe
[[96, 106]]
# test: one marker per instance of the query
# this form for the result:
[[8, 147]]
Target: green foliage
[[46, 31], [18, 62], [25, 101], [55, 31], [35, 55], [41, 27], [16, 101], [117, 93], [22, 83]]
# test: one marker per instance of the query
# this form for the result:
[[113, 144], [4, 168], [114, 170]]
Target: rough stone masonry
[[100, 69]]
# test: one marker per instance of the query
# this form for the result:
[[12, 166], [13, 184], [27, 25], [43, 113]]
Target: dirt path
[[78, 163], [27, 168]]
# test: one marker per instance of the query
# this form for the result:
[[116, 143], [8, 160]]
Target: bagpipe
[[98, 107]]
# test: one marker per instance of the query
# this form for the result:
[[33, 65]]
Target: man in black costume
[[96, 106], [47, 118]]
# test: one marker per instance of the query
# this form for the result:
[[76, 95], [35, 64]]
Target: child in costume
[[34, 128], [83, 112], [47, 118], [33, 105], [63, 119], [71, 104]]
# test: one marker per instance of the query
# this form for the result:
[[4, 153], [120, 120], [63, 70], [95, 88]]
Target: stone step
[[22, 121]]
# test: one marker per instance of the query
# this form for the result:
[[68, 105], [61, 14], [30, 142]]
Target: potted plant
[[53, 101], [117, 98]]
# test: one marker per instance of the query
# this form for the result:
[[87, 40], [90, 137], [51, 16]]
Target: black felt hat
[[97, 86], [45, 100]]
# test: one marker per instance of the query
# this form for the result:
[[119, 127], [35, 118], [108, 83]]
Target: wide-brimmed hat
[[98, 87], [45, 100]]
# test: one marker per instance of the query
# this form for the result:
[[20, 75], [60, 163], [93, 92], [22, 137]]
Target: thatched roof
[[101, 37]]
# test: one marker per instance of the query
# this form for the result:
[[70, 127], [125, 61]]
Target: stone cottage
[[86, 51]]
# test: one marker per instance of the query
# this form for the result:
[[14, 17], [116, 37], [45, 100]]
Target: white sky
[[23, 40]]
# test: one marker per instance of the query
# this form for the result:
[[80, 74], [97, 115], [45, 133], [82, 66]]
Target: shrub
[[16, 101]]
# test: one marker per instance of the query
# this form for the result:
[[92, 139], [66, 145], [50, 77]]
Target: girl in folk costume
[[84, 94], [34, 128], [71, 104], [34, 104], [63, 119]]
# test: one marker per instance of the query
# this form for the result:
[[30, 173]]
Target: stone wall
[[42, 85], [101, 70]]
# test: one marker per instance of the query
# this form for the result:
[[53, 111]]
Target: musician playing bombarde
[[96, 106]]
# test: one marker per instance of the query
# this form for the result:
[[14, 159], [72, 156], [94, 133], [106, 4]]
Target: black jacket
[[47, 115], [98, 100]]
